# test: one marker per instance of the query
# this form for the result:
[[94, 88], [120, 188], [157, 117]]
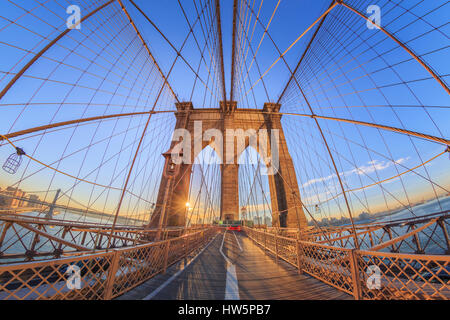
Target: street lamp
[[151, 210], [318, 210], [14, 161]]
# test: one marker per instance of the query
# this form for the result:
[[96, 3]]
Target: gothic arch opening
[[203, 201], [254, 189]]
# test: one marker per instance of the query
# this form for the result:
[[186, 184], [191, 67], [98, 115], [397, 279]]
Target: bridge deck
[[233, 267]]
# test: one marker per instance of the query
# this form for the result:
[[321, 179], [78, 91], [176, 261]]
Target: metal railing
[[104, 275], [423, 234], [24, 238], [363, 274]]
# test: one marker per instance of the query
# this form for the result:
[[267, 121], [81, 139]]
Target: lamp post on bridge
[[317, 208]]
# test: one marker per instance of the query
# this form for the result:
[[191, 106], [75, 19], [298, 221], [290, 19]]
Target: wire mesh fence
[[369, 275], [101, 276]]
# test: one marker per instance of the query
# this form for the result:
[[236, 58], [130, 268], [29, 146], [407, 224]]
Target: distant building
[[11, 198], [33, 201], [364, 216], [257, 220]]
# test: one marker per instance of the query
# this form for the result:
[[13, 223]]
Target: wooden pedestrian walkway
[[233, 267]]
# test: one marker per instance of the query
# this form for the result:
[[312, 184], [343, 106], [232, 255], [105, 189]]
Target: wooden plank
[[259, 276]]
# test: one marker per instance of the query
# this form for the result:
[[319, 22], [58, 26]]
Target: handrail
[[401, 275], [106, 274], [406, 235]]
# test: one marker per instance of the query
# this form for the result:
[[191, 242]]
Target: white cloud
[[313, 181], [368, 168]]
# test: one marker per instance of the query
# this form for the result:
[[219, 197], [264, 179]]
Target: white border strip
[[239, 244], [232, 286], [157, 290]]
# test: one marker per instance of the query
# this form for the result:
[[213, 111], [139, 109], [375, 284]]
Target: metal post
[[265, 239], [389, 232], [276, 247], [353, 257], [96, 241], [59, 250], [83, 238], [299, 260], [441, 223], [6, 226], [30, 253], [114, 266], [371, 239], [166, 256], [417, 241]]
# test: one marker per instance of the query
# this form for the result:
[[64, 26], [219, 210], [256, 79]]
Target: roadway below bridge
[[232, 267]]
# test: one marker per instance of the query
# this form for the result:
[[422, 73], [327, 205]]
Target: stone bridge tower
[[201, 125]]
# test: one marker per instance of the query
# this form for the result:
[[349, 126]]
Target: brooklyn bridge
[[224, 150]]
